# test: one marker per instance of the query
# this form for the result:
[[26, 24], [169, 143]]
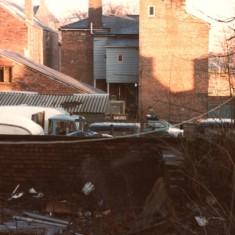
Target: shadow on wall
[[177, 93]]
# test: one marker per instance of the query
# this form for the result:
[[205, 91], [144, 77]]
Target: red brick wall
[[26, 79], [173, 61], [13, 32], [77, 55], [28, 40], [95, 13], [48, 166]]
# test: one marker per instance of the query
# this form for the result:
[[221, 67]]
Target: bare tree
[[113, 9], [109, 8], [74, 16]]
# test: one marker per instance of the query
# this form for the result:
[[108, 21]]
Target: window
[[120, 58], [151, 10], [5, 74], [1, 74]]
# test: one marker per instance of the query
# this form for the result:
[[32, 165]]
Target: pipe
[[91, 28]]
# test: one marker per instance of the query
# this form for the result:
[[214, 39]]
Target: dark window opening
[[5, 74], [120, 58], [1, 74], [151, 11]]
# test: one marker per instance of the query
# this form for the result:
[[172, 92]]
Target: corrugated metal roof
[[80, 103], [58, 76], [116, 24], [19, 12]]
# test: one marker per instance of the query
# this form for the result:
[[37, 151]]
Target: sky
[[213, 8], [217, 9]]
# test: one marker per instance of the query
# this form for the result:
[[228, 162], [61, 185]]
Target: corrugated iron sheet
[[78, 103]]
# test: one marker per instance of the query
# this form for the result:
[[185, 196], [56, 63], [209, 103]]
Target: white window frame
[[149, 11]]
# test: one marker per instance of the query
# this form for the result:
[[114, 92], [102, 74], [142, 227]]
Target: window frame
[[6, 74]]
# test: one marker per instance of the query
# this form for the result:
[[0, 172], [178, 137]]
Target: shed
[[92, 106]]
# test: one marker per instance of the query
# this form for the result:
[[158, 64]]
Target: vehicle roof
[[67, 117], [23, 122], [115, 124], [215, 121]]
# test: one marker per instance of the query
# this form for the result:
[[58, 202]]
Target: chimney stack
[[95, 13], [42, 2], [29, 10]]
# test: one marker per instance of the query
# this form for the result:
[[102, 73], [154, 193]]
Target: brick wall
[[28, 39], [26, 79], [13, 32], [64, 166], [119, 168], [77, 55], [173, 61], [95, 13]]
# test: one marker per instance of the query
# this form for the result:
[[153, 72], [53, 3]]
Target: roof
[[53, 74], [122, 42], [9, 124], [116, 24], [19, 12], [77, 103], [42, 13], [118, 125]]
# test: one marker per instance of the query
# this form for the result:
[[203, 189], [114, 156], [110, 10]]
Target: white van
[[10, 125]]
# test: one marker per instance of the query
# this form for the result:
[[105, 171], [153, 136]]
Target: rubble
[[132, 195]]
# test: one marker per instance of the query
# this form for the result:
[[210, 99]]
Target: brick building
[[44, 15], [173, 60], [102, 51], [21, 32], [22, 74]]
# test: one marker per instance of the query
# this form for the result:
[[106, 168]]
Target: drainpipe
[[91, 28]]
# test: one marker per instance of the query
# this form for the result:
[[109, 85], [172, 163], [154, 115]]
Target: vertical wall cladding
[[173, 60], [13, 33], [100, 57], [125, 71], [77, 55], [27, 79]]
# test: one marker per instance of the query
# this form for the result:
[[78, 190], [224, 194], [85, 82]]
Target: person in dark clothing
[[151, 114]]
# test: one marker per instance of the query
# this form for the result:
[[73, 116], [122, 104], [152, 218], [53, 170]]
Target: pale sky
[[218, 9], [214, 8]]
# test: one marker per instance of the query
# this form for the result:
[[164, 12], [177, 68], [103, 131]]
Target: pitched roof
[[77, 103], [42, 13], [122, 42], [19, 12], [116, 24], [53, 74]]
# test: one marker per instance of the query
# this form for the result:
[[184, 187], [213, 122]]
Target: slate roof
[[19, 12], [122, 42], [80, 103], [116, 24], [53, 74]]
